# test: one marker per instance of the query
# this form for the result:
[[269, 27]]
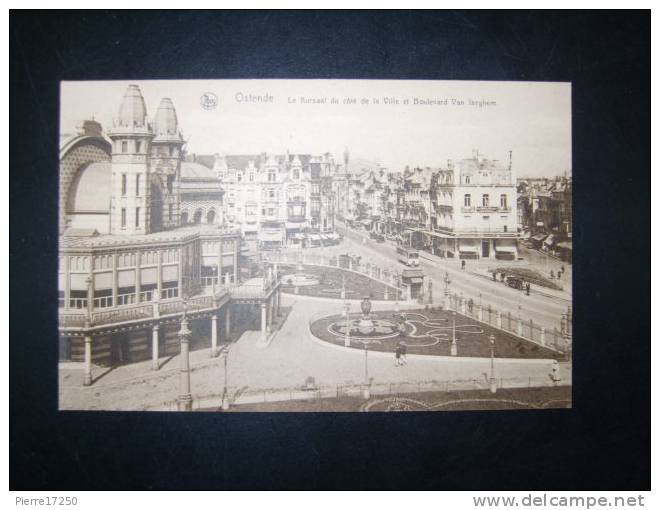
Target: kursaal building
[[143, 241]]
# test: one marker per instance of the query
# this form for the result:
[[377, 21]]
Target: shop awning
[[550, 240], [508, 249], [539, 237], [417, 280], [468, 248], [412, 273]]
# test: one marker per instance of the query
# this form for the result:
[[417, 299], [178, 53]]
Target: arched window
[[184, 217], [198, 217], [210, 216]]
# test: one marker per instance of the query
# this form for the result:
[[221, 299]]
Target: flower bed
[[330, 280], [429, 332]]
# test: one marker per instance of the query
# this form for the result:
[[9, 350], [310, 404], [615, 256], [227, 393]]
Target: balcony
[[484, 209], [76, 319], [478, 232]]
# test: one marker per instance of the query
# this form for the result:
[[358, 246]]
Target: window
[[271, 193], [467, 179], [171, 151], [170, 183], [485, 200], [123, 217], [169, 212], [251, 176], [467, 201], [271, 175], [239, 177], [123, 184], [124, 146], [137, 185], [138, 146], [503, 204], [296, 174], [137, 216], [270, 211]]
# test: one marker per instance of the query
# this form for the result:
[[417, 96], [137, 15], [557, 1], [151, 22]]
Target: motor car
[[515, 282]]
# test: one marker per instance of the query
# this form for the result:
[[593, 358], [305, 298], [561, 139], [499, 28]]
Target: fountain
[[366, 325], [366, 328]]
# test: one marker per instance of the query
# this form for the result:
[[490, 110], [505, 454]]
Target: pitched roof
[[196, 171]]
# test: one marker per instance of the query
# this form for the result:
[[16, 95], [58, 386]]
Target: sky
[[392, 122]]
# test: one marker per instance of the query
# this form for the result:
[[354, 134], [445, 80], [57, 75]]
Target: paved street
[[544, 306]]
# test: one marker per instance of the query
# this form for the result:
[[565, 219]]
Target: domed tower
[[166, 154], [131, 137]]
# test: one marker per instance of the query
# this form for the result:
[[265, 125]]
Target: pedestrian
[[397, 357], [562, 268], [463, 265], [552, 274], [404, 360], [555, 375], [527, 287]]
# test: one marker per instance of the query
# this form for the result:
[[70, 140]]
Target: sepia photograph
[[315, 245]]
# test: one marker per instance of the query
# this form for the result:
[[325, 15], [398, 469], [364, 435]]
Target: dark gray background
[[603, 443]]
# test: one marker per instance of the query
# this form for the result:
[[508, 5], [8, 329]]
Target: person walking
[[397, 356], [463, 265], [404, 360]]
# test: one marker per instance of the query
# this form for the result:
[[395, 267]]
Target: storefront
[[468, 249], [271, 238], [505, 249]]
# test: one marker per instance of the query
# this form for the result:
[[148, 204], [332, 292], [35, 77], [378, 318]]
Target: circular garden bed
[[330, 281], [429, 332]]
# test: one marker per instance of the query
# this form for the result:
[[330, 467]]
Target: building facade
[[143, 242], [275, 199], [474, 210]]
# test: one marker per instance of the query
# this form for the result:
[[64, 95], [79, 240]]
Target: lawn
[[357, 285], [529, 275], [429, 332]]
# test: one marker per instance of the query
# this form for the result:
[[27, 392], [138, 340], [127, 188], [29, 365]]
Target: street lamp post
[[347, 337], [447, 282], [225, 396], [453, 349], [185, 397], [492, 381]]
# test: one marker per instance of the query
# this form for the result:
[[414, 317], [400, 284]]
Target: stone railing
[[135, 312]]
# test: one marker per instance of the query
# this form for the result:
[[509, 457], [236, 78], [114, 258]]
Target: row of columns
[[269, 307], [155, 331]]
